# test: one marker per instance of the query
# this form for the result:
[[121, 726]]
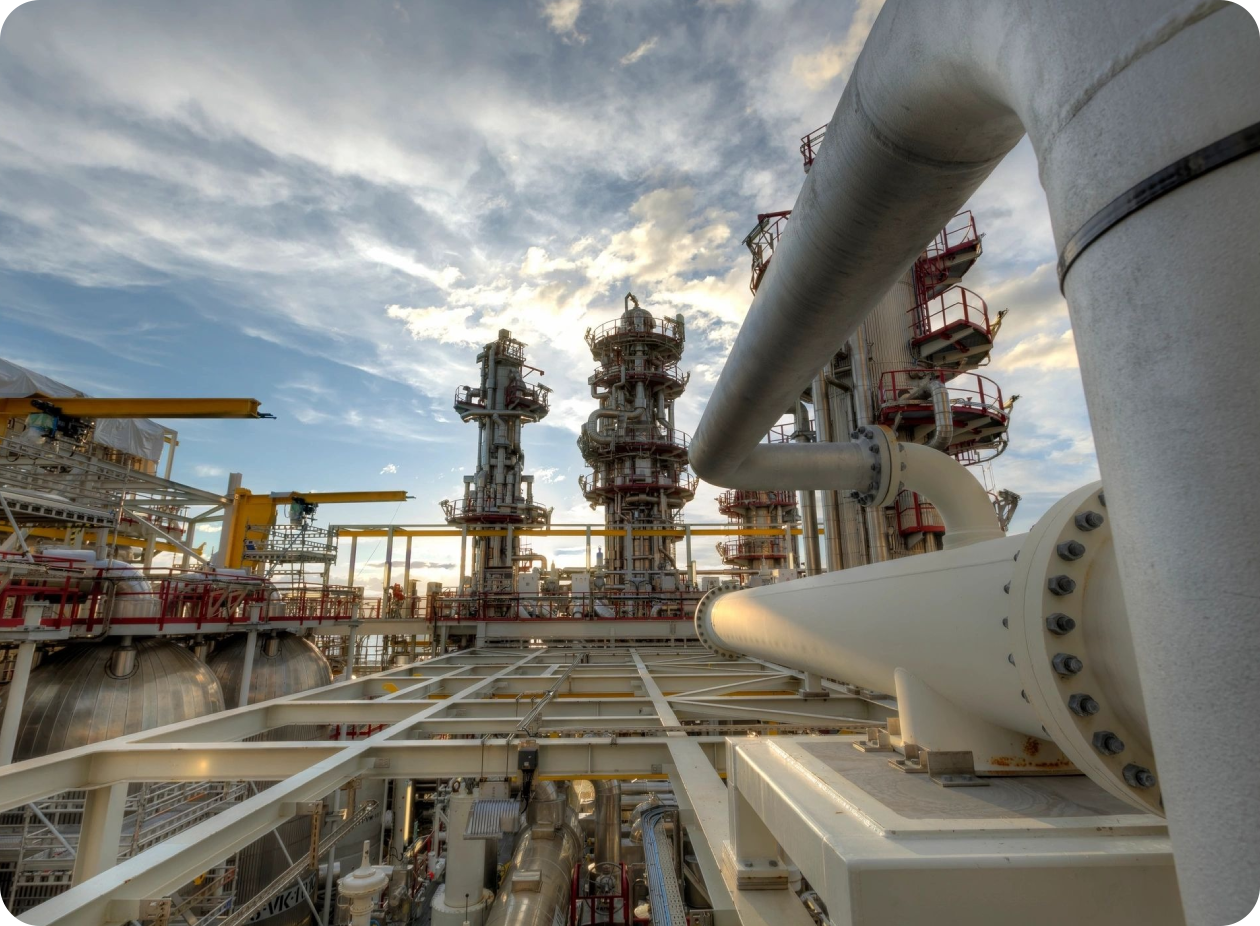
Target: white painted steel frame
[[619, 714]]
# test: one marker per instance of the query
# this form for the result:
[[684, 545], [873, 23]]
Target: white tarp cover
[[139, 437]]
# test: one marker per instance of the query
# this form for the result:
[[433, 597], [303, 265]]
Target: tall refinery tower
[[638, 457], [498, 493], [911, 367]]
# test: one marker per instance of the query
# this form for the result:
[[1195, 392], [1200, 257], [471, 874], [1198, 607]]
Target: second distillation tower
[[638, 457]]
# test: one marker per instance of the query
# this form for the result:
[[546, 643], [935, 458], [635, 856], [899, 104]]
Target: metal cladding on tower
[[498, 493], [638, 456]]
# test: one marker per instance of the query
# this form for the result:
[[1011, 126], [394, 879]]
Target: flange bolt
[[1059, 624], [1083, 705], [1138, 776], [1070, 550], [1061, 585], [1108, 743], [1089, 520], [1067, 664]]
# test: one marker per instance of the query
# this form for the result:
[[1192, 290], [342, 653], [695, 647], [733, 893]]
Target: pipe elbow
[[963, 503]]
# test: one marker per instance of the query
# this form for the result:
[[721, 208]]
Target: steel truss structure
[[632, 712]]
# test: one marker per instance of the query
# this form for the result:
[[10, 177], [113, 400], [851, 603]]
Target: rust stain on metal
[[1022, 762], [1032, 746]]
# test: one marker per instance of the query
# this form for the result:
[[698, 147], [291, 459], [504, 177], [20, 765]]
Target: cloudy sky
[[328, 206]]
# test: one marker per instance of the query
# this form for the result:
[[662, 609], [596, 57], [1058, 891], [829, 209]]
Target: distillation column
[[638, 457], [763, 555], [498, 493]]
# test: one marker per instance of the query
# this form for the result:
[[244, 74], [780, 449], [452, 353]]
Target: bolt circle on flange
[[1050, 606], [703, 610]]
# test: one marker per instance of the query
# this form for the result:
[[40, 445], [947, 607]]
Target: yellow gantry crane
[[251, 517], [87, 407]]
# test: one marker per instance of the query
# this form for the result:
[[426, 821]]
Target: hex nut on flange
[[1089, 520], [1061, 585], [1060, 624], [1108, 743], [1083, 705], [1070, 550], [1067, 664], [1139, 776]]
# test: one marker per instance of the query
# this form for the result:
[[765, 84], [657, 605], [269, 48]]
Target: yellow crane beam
[[252, 516], [337, 498], [75, 407]]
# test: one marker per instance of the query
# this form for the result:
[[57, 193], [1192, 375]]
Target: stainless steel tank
[[74, 699], [284, 664], [536, 889]]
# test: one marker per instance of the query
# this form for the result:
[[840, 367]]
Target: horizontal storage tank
[[90, 692], [284, 664]]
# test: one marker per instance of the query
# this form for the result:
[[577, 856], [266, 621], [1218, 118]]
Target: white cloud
[[819, 68], [562, 17], [1043, 352], [643, 49], [390, 468], [209, 469]]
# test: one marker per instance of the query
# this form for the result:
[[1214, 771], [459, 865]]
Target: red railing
[[625, 483], [916, 515], [605, 909], [531, 395], [787, 433], [954, 306], [81, 599], [749, 548], [636, 326], [932, 269], [451, 607], [959, 233], [354, 731], [761, 242], [489, 510], [810, 144], [969, 393], [734, 499], [616, 372], [619, 438]]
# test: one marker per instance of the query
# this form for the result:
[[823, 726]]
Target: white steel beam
[[702, 801]]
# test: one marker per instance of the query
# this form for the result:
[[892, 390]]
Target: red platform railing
[[969, 393], [636, 326], [733, 500], [916, 515], [751, 548], [611, 909], [931, 270], [810, 145], [953, 307], [761, 242]]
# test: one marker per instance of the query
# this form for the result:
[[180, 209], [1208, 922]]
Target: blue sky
[[328, 206]]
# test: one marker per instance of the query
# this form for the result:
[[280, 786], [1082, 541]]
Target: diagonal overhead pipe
[[1142, 114]]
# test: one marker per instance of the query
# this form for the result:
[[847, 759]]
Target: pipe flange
[[879, 443], [1051, 631], [704, 613]]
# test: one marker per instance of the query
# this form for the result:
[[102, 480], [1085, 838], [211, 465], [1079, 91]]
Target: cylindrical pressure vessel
[[1027, 633]]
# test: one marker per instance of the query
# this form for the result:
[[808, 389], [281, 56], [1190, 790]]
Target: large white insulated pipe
[[1142, 116], [986, 645]]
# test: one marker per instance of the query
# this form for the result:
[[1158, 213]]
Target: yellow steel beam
[[89, 538], [136, 408], [338, 498]]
